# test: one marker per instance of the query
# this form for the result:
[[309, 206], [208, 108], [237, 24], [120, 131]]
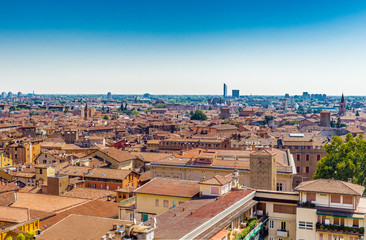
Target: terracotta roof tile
[[330, 186]]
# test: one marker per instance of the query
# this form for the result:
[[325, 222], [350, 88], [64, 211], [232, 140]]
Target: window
[[281, 208], [310, 197], [336, 221], [215, 190], [271, 224], [166, 203], [335, 198], [283, 225], [307, 169], [302, 225], [271, 238], [95, 185], [88, 185], [355, 223], [157, 202], [279, 186], [40, 171], [298, 169], [321, 236], [101, 186], [309, 226], [347, 199], [174, 203], [318, 157], [307, 157], [298, 157]]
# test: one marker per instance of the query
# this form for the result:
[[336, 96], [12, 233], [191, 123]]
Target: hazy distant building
[[225, 90], [109, 95], [3, 94], [235, 93], [19, 94], [342, 106], [305, 95], [10, 94], [325, 119], [287, 95]]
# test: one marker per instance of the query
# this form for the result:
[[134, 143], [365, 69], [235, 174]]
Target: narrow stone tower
[[263, 171]]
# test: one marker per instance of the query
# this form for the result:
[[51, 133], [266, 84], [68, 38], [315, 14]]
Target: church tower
[[342, 106]]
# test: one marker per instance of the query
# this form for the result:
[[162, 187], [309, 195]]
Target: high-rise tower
[[86, 111], [225, 90]]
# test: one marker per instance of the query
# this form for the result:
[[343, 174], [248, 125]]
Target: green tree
[[339, 123], [135, 112], [160, 105], [30, 235], [106, 117], [9, 237], [344, 160], [332, 123], [198, 115], [20, 237], [268, 118]]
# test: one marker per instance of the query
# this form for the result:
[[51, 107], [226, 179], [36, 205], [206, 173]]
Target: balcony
[[282, 233], [306, 204], [340, 229]]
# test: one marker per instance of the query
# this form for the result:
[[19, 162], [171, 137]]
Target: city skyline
[[130, 48]]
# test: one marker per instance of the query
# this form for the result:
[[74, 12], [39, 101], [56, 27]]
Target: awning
[[220, 235], [339, 214]]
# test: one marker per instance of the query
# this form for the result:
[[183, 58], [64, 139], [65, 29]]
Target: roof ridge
[[347, 185]]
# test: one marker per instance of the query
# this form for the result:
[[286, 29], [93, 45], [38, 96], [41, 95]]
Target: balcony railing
[[340, 229], [282, 233]]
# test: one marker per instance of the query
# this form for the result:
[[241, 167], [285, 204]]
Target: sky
[[261, 47]]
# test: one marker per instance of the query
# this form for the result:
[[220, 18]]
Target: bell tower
[[342, 106]]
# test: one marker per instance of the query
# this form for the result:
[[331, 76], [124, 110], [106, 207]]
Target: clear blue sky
[[183, 47]]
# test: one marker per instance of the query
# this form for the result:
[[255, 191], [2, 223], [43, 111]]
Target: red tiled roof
[[170, 187]]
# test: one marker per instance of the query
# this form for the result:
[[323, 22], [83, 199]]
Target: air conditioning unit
[[259, 212]]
